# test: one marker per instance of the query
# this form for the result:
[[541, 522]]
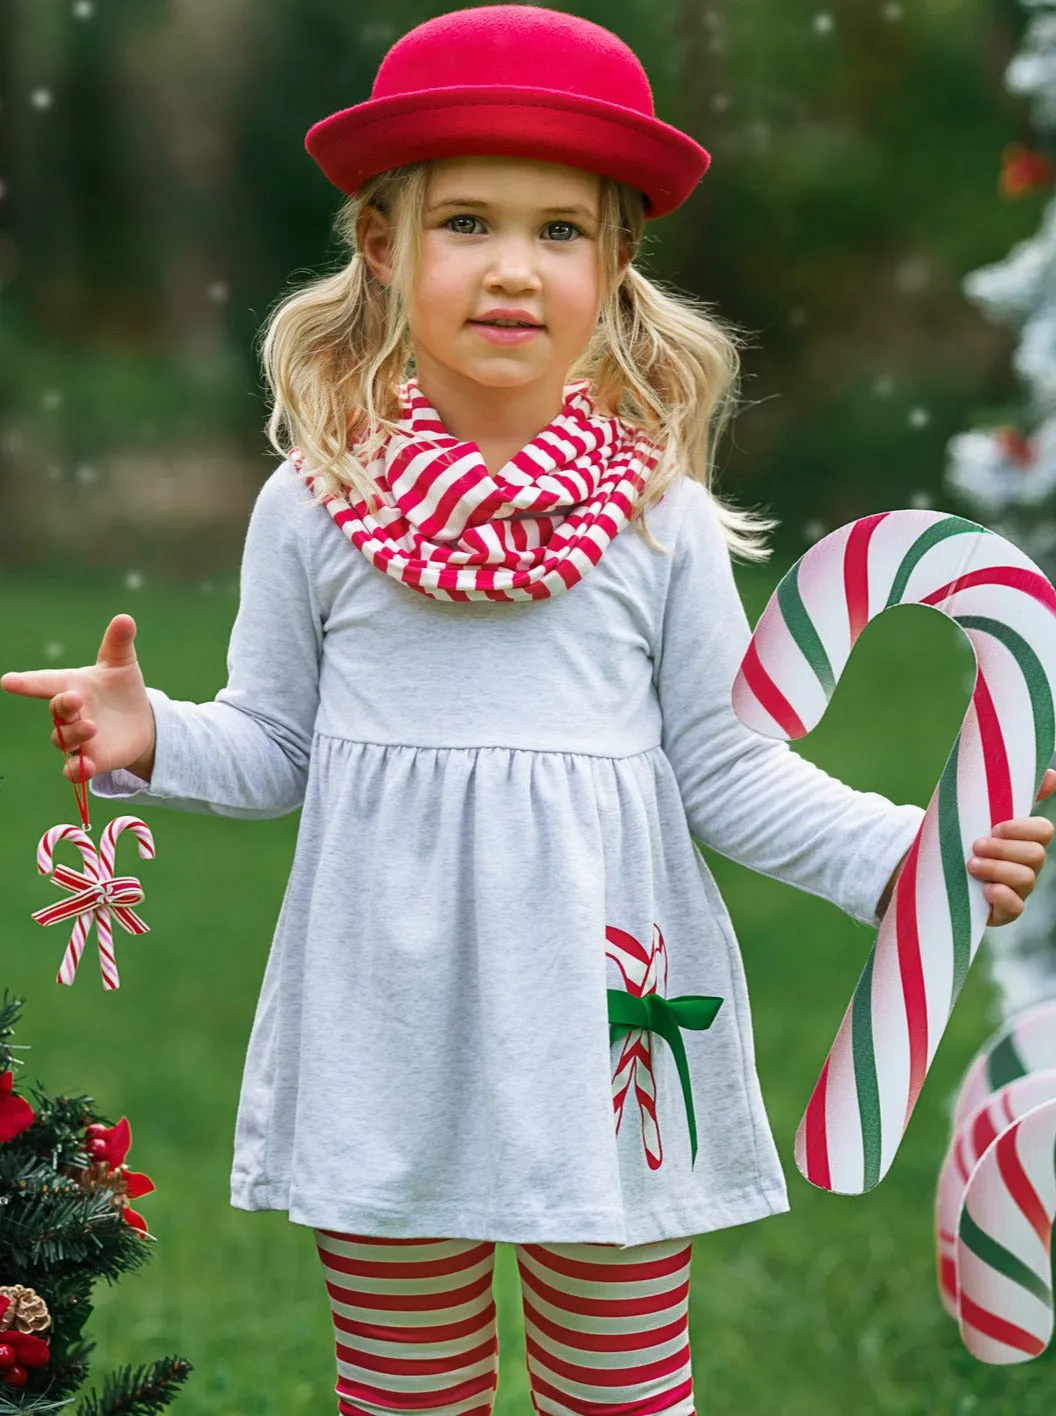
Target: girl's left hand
[[1011, 859]]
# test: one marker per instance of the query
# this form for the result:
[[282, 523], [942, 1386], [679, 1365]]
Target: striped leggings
[[605, 1328]]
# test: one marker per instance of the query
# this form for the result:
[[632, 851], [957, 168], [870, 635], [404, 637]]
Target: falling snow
[[86, 474], [823, 23], [133, 580], [52, 650], [41, 98], [814, 530], [919, 418], [884, 386], [51, 398], [83, 9]]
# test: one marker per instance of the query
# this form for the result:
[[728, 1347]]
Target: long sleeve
[[752, 798], [246, 753]]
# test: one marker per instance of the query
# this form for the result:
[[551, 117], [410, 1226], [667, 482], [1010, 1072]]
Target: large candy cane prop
[[930, 932], [1004, 1266], [970, 1141], [1025, 1043], [98, 891]]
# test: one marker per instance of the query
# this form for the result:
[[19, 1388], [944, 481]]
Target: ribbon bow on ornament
[[642, 1010], [98, 890]]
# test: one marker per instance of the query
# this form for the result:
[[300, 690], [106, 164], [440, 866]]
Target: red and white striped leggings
[[605, 1328]]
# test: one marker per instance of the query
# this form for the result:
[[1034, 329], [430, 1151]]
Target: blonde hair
[[335, 351]]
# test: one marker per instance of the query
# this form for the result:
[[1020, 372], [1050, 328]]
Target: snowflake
[[823, 23], [51, 398], [919, 418], [53, 650], [83, 9], [54, 473], [891, 12], [814, 530], [86, 474], [921, 500], [207, 587], [133, 580], [218, 291], [41, 98], [797, 316], [720, 102], [884, 386]]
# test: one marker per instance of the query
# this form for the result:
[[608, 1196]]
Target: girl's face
[[504, 232]]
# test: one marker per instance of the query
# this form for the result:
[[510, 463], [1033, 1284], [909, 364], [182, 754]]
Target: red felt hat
[[517, 81]]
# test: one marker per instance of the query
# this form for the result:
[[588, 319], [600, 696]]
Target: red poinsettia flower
[[16, 1114], [117, 1141]]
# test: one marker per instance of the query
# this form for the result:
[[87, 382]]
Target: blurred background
[[155, 202]]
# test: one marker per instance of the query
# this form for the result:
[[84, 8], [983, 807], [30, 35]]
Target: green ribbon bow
[[665, 1016]]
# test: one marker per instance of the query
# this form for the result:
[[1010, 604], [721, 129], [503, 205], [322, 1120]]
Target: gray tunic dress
[[491, 793]]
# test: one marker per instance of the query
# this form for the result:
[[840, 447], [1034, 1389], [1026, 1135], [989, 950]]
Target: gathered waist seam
[[487, 747]]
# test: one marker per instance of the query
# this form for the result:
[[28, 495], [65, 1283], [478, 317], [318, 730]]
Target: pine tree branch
[[140, 1391]]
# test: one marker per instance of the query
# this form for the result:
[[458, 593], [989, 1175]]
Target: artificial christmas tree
[[65, 1222], [1006, 470]]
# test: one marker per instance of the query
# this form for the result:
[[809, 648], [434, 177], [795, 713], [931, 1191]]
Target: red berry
[[16, 1377], [98, 1149], [96, 1129], [8, 1356]]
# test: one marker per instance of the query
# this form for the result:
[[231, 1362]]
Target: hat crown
[[519, 46]]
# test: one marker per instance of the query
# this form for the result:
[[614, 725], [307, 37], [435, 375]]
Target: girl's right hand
[[104, 704]]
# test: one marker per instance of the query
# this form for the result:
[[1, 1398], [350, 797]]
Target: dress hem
[[593, 1226]]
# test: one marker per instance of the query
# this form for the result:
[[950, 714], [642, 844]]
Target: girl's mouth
[[506, 334]]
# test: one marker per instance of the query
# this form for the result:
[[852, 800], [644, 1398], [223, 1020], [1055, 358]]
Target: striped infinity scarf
[[450, 530]]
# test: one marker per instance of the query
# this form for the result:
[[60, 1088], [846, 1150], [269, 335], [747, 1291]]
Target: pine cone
[[27, 1313]]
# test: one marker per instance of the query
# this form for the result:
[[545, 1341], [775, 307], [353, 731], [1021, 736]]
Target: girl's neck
[[500, 420]]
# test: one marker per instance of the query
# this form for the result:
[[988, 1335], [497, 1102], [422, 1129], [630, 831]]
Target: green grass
[[830, 1309]]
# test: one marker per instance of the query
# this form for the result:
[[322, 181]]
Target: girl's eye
[[468, 216]]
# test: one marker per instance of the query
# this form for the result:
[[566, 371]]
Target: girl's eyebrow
[[487, 206]]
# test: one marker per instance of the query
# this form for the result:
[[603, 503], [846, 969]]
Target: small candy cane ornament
[[1004, 1265], [1025, 1043], [931, 930], [98, 892], [970, 1141]]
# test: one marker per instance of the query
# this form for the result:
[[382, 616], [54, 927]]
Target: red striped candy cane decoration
[[643, 971], [1004, 1238], [1025, 1043], [98, 891], [930, 933], [970, 1141]]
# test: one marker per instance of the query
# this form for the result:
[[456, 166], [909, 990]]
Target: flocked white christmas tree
[[1007, 474]]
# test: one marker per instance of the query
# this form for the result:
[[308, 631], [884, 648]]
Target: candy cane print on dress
[[931, 930], [970, 1141]]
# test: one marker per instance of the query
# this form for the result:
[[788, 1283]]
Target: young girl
[[503, 712]]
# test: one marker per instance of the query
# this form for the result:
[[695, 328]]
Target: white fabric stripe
[[414, 1317], [430, 1283], [588, 1357], [451, 1408], [584, 1288], [364, 1250], [587, 1322], [638, 1391], [430, 1381]]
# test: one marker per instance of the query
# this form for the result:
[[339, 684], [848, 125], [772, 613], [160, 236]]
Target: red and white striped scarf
[[450, 530]]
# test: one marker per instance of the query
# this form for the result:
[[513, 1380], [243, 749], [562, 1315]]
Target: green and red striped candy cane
[[929, 935], [969, 1143], [1024, 1043], [1004, 1239]]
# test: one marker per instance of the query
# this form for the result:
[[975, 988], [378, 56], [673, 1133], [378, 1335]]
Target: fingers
[[36, 683], [1023, 828], [1030, 853], [1019, 878], [1048, 785], [118, 647]]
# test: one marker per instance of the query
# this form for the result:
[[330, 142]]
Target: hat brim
[[662, 162]]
